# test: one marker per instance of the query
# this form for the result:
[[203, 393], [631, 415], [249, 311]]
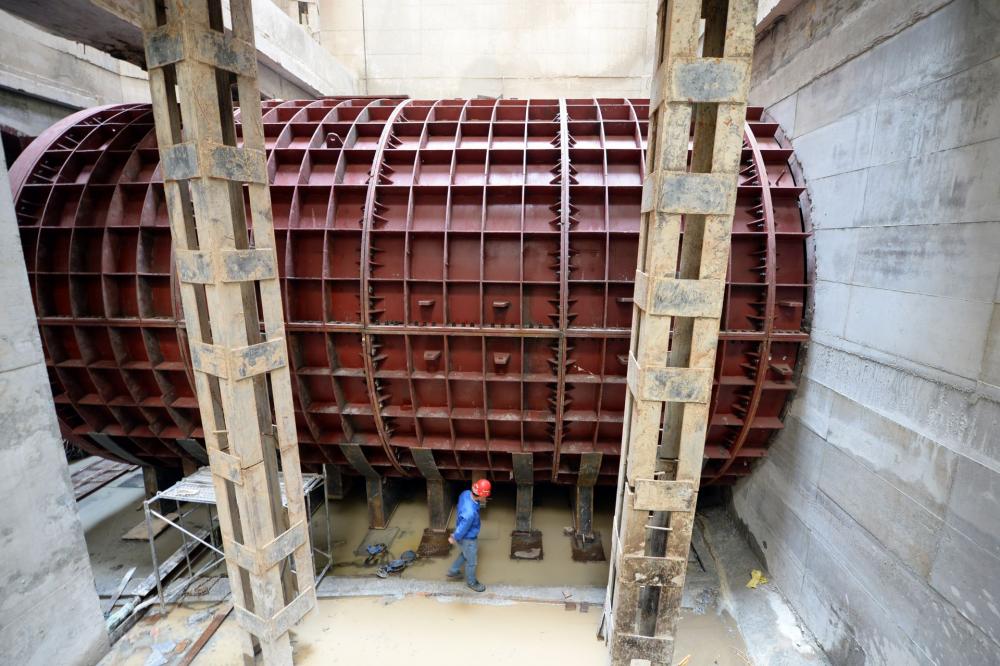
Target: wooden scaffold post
[[687, 217], [215, 177]]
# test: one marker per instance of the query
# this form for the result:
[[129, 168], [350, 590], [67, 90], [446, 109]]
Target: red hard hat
[[482, 488]]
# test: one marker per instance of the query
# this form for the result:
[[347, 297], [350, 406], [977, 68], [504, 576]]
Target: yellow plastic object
[[757, 577]]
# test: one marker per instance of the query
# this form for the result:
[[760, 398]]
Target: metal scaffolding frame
[[198, 489]]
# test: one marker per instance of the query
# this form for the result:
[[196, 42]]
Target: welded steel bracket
[[434, 542], [586, 545], [382, 495], [525, 543]]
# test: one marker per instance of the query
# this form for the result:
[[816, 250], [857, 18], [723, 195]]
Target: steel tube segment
[[458, 278]]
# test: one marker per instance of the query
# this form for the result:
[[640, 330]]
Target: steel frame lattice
[[223, 271], [680, 286], [465, 315]]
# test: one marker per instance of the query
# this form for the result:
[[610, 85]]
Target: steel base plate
[[434, 543], [590, 550], [526, 545]]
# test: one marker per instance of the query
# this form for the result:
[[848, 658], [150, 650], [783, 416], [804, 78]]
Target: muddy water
[[710, 638], [552, 514], [420, 631]]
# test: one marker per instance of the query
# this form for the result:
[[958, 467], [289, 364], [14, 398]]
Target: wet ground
[[532, 613]]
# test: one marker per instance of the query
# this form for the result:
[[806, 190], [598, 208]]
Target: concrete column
[[49, 609]]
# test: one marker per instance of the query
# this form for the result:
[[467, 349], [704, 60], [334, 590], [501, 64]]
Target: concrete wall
[[514, 48], [44, 78], [49, 611], [878, 510]]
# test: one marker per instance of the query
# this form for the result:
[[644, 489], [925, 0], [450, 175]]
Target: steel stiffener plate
[[457, 275]]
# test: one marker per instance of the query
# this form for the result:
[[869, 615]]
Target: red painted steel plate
[[457, 276]]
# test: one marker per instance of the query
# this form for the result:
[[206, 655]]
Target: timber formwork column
[[687, 214], [212, 177]]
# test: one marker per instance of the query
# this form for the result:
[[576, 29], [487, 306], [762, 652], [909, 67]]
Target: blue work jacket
[[467, 521]]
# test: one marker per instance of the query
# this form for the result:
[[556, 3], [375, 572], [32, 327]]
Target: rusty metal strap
[[669, 384], [239, 363], [678, 298], [188, 160], [199, 267], [272, 628], [169, 44]]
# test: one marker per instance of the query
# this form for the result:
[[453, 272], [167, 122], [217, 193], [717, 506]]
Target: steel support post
[[587, 546], [701, 83], [434, 542], [525, 543], [379, 491], [213, 180], [336, 484]]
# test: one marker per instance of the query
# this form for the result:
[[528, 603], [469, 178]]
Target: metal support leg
[[434, 542], [188, 466], [337, 484], [587, 545], [381, 495], [152, 551], [149, 484], [525, 543]]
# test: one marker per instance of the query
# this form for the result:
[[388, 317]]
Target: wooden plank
[[193, 65], [139, 532], [205, 636], [664, 495], [676, 313]]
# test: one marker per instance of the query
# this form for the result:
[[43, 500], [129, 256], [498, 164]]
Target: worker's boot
[[476, 586]]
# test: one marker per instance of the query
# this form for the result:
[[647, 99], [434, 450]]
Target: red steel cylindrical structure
[[457, 277]]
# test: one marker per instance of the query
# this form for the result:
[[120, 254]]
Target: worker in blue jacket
[[466, 534]]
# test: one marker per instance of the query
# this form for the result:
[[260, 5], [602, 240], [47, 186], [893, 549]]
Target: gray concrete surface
[[516, 48], [49, 612], [45, 75], [291, 61], [876, 511]]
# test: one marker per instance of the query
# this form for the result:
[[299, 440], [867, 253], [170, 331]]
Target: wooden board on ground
[[140, 533], [88, 480]]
